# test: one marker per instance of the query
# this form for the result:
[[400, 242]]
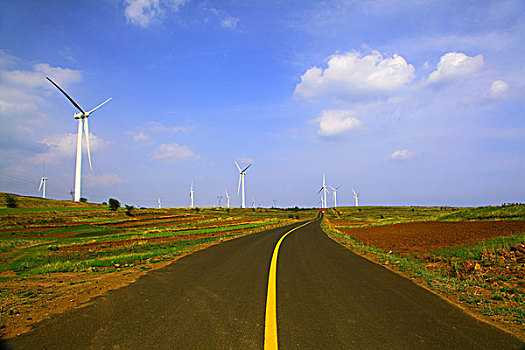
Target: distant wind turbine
[[323, 188], [191, 194], [335, 195], [80, 116], [158, 202], [356, 197], [227, 199], [241, 183], [43, 182]]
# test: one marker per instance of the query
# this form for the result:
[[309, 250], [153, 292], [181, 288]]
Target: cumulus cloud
[[454, 66], [402, 154], [174, 152], [143, 12], [355, 76], [60, 146], [20, 90], [498, 89], [336, 122], [101, 180]]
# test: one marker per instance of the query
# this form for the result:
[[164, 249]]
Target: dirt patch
[[426, 236]]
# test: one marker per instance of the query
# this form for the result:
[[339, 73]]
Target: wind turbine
[[356, 197], [323, 188], [227, 199], [43, 182], [158, 202], [335, 195], [80, 116], [241, 181], [191, 194]]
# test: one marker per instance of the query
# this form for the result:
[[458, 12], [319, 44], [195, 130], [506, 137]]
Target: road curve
[[327, 298]]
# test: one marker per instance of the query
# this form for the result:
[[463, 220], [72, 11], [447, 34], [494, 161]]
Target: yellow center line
[[270, 322]]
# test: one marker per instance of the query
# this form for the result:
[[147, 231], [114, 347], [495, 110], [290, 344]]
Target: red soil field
[[426, 236]]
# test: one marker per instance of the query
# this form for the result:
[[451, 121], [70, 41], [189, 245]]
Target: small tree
[[10, 201], [129, 208], [83, 200], [113, 204]]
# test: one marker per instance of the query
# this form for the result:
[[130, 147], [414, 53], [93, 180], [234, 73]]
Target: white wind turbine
[[241, 183], [158, 202], [227, 199], [43, 182], [80, 116], [323, 188], [191, 194], [356, 197], [335, 195]]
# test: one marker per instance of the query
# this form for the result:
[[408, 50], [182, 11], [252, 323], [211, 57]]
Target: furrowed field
[[59, 254], [474, 257]]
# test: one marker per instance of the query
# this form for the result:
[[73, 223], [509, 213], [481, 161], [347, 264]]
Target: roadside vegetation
[[58, 254], [477, 259]]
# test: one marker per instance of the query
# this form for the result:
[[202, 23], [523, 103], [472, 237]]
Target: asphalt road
[[327, 298]]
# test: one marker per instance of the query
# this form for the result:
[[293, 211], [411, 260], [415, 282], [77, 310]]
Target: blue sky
[[408, 102]]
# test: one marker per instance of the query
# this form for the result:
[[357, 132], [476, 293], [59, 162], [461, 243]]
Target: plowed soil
[[426, 236]]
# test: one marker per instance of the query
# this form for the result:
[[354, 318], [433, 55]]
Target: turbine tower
[[43, 182], [323, 196], [191, 194], [356, 197], [158, 202], [227, 199], [80, 116], [335, 195], [241, 183]]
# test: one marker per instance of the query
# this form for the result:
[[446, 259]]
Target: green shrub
[[10, 201], [113, 204]]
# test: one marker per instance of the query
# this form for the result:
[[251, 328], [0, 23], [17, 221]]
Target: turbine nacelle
[[80, 115]]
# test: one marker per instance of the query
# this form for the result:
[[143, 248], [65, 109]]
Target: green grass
[[475, 250], [504, 212]]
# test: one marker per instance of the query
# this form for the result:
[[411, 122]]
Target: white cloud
[[104, 179], [402, 154], [454, 66], [142, 134], [244, 160], [498, 89], [20, 90], [60, 146], [174, 152], [229, 22], [6, 60], [143, 12], [355, 76], [336, 122], [140, 137], [36, 77]]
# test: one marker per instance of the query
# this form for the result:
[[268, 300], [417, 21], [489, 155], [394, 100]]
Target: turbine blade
[[238, 167], [86, 130], [320, 190], [239, 187], [41, 182], [68, 97], [246, 168], [353, 191], [100, 105]]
